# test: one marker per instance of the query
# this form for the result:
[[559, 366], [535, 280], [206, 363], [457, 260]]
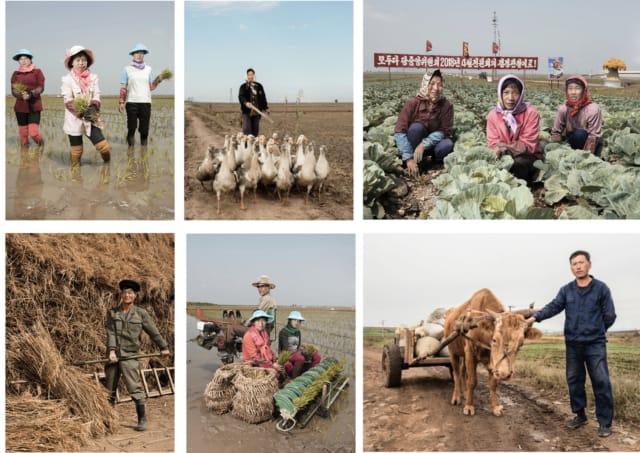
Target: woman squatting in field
[[424, 124], [80, 87], [255, 343], [579, 120], [136, 84], [27, 84], [290, 340], [513, 128]]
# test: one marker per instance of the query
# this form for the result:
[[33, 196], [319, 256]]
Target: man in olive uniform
[[124, 326]]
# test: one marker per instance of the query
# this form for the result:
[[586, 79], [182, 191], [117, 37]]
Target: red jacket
[[526, 140], [34, 83]]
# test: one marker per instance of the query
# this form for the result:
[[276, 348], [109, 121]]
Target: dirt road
[[417, 416], [159, 435], [325, 124]]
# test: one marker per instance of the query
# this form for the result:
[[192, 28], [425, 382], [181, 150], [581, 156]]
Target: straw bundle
[[253, 402], [218, 395], [56, 428], [38, 360], [284, 357]]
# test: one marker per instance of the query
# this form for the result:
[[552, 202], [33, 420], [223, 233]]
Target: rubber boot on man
[[142, 419]]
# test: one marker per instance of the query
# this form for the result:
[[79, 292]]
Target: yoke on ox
[[493, 337]]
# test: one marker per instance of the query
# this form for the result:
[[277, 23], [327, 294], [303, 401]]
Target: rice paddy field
[[331, 331], [138, 183]]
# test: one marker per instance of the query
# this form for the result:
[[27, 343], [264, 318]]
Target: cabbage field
[[474, 184]]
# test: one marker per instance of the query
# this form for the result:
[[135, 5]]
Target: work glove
[[92, 114]]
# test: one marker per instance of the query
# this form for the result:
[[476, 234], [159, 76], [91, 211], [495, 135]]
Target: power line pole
[[496, 39]]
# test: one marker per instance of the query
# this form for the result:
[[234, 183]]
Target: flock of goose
[[246, 161]]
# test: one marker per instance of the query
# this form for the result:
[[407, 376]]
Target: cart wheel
[[284, 426], [392, 365], [200, 340]]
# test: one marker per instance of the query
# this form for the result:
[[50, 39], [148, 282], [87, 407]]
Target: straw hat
[[21, 52], [260, 314], [75, 50], [139, 47], [124, 284], [264, 280]]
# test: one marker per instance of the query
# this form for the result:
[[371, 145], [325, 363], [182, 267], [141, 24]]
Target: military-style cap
[[124, 284]]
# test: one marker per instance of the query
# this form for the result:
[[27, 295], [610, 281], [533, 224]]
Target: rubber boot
[[143, 140], [76, 155], [34, 133], [112, 400], [23, 133], [297, 370], [142, 420], [104, 149]]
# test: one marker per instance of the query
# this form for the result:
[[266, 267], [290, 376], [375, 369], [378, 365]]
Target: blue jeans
[[594, 357], [435, 144], [578, 138]]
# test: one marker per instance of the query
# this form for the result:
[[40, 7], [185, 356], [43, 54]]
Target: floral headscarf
[[509, 115]]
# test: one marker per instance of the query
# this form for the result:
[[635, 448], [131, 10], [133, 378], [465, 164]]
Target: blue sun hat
[[139, 48], [260, 314], [22, 52], [295, 315]]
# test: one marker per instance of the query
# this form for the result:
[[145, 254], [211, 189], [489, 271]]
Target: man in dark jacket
[[251, 94], [589, 312]]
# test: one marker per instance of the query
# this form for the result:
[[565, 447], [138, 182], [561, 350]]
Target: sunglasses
[[262, 286]]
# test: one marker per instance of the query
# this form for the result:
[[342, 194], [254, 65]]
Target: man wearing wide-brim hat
[[267, 302], [124, 326]]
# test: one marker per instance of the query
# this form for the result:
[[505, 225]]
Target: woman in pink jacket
[[82, 83], [513, 128], [27, 84]]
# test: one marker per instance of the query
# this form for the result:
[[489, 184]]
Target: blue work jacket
[[589, 311]]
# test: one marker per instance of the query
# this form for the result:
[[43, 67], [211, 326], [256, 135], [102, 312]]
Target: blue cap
[[295, 315], [21, 52], [139, 48], [260, 314]]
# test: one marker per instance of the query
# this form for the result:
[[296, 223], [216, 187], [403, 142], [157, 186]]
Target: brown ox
[[494, 342]]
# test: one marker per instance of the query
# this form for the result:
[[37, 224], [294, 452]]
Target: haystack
[[58, 290]]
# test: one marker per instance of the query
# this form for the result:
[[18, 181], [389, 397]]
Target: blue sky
[[109, 29], [293, 47], [444, 270], [585, 32], [307, 269]]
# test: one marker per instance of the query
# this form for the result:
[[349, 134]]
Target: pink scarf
[[261, 340], [82, 77], [27, 68]]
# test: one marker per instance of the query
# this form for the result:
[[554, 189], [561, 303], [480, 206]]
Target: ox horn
[[526, 312], [493, 315]]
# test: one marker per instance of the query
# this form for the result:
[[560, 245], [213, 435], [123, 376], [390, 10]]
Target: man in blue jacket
[[589, 312]]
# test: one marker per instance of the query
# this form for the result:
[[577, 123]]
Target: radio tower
[[496, 38]]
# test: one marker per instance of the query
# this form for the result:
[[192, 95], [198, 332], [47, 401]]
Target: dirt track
[[417, 416], [159, 435], [325, 124]]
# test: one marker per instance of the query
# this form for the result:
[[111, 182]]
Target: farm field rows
[[137, 184], [571, 184], [331, 331]]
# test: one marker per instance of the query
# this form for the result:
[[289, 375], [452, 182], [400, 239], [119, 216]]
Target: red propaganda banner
[[399, 60], [495, 48], [465, 49], [429, 46]]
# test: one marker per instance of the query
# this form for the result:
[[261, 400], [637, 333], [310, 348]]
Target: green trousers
[[130, 372]]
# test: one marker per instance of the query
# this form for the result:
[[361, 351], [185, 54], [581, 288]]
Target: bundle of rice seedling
[[37, 359], [284, 357], [19, 87], [36, 424], [81, 104], [331, 368], [253, 401], [166, 74], [308, 350], [219, 393]]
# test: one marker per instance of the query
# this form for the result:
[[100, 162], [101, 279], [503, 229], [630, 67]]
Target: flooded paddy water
[[333, 332], [138, 183]]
